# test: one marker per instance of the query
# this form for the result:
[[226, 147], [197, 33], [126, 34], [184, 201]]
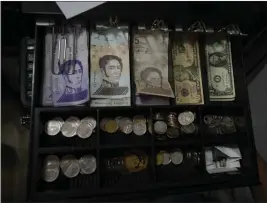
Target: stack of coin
[[165, 158], [160, 127], [172, 120], [51, 168], [86, 127], [220, 124], [186, 120], [125, 125], [139, 125], [135, 162], [87, 164], [70, 126], [53, 126], [109, 125], [70, 166]]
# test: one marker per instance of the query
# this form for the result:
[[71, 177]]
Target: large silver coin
[[74, 120], [84, 130], [126, 125], [89, 120], [53, 126], [186, 118], [51, 168], [173, 133], [166, 158], [139, 128], [69, 129], [70, 166], [87, 164], [177, 157], [189, 129], [160, 127]]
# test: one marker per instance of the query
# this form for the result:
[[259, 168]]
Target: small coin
[[51, 168], [227, 121], [111, 126], [160, 127], [87, 164], [139, 128], [103, 122], [70, 166], [166, 158], [126, 125], [84, 130], [177, 157], [172, 133], [208, 119], [89, 120], [186, 118], [160, 158], [189, 129], [240, 121], [139, 118]]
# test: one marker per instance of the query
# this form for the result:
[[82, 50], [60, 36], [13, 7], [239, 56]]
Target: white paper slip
[[232, 152]]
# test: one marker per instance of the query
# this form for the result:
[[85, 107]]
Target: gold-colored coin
[[111, 126], [160, 158]]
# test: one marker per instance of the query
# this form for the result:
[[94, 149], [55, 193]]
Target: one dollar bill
[[220, 69], [187, 70]]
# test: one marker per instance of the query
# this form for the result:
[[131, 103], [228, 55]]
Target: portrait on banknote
[[151, 63], [110, 72]]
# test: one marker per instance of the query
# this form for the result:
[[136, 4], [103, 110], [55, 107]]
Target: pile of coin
[[130, 162], [165, 158], [71, 127], [220, 124], [69, 166], [125, 125]]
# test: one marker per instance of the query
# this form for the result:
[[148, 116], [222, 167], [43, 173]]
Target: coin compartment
[[63, 183], [189, 170], [119, 177], [61, 141], [120, 138]]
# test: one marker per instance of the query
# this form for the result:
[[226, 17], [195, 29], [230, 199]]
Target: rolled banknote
[[151, 63], [47, 74], [70, 80], [110, 72], [220, 69], [187, 71]]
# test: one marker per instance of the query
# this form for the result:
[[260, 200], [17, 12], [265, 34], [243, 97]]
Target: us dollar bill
[[151, 63], [70, 79], [187, 70], [47, 74], [110, 71], [220, 69]]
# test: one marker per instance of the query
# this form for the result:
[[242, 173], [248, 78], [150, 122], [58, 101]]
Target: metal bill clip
[[64, 38], [232, 29], [197, 26]]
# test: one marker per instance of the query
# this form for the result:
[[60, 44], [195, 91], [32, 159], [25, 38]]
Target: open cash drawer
[[189, 176]]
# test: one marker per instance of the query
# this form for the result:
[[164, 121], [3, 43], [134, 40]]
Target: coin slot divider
[[153, 154], [170, 64], [98, 148]]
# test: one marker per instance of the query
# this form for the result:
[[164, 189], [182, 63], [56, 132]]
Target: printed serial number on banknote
[[151, 63], [187, 70], [220, 69], [110, 72]]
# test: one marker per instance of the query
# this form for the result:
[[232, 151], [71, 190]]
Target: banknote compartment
[[61, 141], [63, 183], [119, 138], [188, 171], [120, 177]]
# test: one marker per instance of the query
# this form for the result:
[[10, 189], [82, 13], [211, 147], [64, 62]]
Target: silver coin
[[139, 118], [227, 121], [208, 119], [87, 164], [166, 158], [74, 120], [89, 120], [126, 125], [177, 157], [70, 166], [84, 130], [186, 118], [117, 119], [103, 122], [51, 168], [53, 126], [139, 128], [172, 133], [189, 129], [160, 127], [69, 129]]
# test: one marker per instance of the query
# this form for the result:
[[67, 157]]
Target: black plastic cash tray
[[155, 180]]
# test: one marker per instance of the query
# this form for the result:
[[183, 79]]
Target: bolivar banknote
[[70, 80], [187, 70], [151, 63], [110, 71], [47, 74], [220, 68]]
